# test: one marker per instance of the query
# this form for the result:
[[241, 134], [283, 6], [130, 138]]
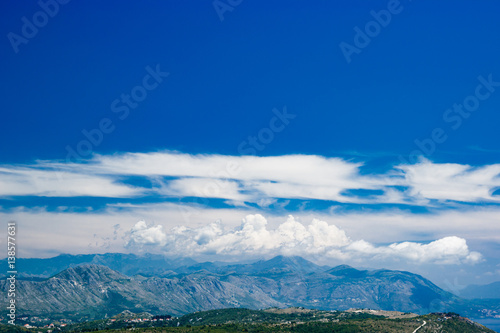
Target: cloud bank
[[251, 179], [254, 238]]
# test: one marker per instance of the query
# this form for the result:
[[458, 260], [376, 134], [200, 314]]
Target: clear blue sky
[[356, 121], [226, 77]]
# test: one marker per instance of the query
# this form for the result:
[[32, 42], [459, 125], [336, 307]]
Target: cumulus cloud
[[447, 250], [254, 238], [72, 230], [142, 234]]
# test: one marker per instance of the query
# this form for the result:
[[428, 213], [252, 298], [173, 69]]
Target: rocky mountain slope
[[93, 291]]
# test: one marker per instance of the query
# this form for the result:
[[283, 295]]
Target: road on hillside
[[420, 327]]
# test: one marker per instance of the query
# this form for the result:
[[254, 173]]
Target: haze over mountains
[[488, 291], [95, 286]]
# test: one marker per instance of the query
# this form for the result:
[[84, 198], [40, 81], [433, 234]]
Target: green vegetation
[[451, 322], [11, 329], [292, 320]]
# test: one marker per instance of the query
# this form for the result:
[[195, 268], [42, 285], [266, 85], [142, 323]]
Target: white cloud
[[204, 188], [73, 232], [239, 179], [253, 238], [142, 234], [452, 181], [447, 250], [18, 181]]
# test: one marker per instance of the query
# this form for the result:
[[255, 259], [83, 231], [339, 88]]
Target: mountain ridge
[[486, 291], [94, 290], [126, 263]]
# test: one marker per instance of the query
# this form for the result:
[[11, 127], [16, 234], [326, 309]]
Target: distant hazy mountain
[[95, 291], [491, 290], [128, 264]]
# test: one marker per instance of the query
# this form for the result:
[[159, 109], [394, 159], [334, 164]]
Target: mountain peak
[[89, 272], [289, 259], [283, 263], [347, 271], [342, 267]]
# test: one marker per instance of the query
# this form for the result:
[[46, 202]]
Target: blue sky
[[213, 88]]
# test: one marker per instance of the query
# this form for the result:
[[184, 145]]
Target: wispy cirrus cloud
[[36, 180], [456, 182], [253, 179]]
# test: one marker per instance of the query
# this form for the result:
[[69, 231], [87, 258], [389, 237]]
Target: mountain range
[[99, 286], [487, 291]]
